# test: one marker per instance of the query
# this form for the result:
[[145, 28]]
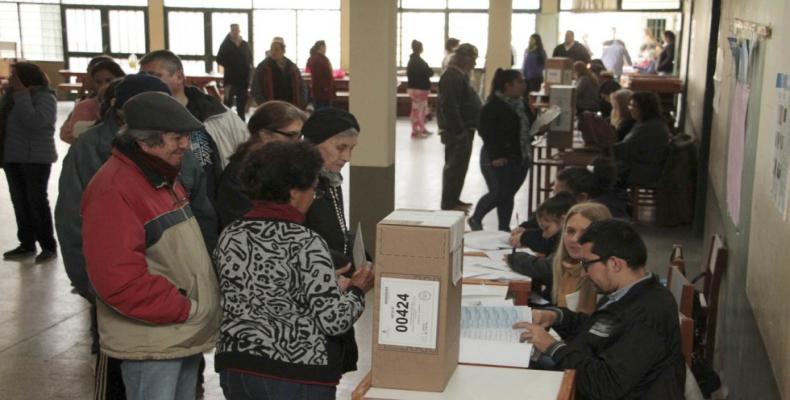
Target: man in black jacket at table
[[629, 348]]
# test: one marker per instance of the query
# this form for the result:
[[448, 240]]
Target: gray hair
[[149, 137]]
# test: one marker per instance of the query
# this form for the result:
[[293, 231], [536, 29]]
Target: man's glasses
[[289, 135], [587, 264]]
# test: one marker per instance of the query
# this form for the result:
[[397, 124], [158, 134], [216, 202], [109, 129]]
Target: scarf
[[525, 139], [334, 178], [277, 211], [147, 161]]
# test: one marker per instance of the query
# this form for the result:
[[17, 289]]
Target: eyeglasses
[[587, 264], [289, 135], [318, 193]]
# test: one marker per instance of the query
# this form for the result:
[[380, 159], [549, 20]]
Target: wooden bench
[[68, 88]]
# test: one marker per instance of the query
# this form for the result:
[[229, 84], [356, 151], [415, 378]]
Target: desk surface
[[476, 382]]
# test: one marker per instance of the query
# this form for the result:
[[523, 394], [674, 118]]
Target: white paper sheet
[[358, 251], [487, 240], [487, 336]]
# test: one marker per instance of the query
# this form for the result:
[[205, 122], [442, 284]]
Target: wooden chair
[[709, 298], [677, 259], [687, 338], [682, 290]]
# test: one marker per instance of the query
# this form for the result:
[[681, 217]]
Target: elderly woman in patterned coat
[[282, 300]]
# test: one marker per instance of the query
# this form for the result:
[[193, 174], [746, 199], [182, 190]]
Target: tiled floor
[[44, 343]]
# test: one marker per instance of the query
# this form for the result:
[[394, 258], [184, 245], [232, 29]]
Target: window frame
[[620, 8], [208, 57], [104, 11]]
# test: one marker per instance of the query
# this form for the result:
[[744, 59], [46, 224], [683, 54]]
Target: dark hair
[[670, 35], [109, 94], [30, 74], [416, 45], [538, 41], [107, 65], [274, 114], [317, 45], [616, 238], [451, 43], [648, 104], [608, 87], [580, 180], [596, 66], [271, 171], [556, 206], [502, 77], [169, 60], [98, 59]]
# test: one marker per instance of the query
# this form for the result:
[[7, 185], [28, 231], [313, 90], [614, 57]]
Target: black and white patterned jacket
[[281, 303]]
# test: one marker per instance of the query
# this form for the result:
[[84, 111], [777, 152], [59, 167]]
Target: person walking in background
[[27, 129], [534, 62], [458, 114], [449, 49], [615, 55], [278, 78], [419, 87], [572, 49], [235, 57], [504, 158], [666, 60], [320, 69], [586, 88]]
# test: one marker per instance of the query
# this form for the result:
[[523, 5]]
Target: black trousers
[[28, 186], [239, 93], [457, 152], [503, 183]]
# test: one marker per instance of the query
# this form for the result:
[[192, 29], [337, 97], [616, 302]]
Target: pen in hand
[[517, 224]]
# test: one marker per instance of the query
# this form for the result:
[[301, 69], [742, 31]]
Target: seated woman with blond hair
[[560, 274]]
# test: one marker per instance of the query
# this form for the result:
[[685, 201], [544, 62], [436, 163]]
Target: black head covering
[[328, 122]]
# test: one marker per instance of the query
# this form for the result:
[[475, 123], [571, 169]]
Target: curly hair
[[269, 172]]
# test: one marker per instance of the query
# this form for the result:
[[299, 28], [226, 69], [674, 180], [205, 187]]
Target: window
[[300, 23], [651, 4], [434, 21], [35, 28], [521, 28], [199, 4], [118, 30], [133, 3], [533, 5], [428, 28], [630, 29]]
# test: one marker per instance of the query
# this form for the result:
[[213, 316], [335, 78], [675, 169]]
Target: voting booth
[[557, 71], [416, 313], [560, 132]]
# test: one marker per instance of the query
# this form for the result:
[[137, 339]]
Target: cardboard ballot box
[[417, 309], [560, 133], [559, 71]]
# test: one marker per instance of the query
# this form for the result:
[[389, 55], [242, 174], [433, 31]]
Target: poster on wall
[[780, 164]]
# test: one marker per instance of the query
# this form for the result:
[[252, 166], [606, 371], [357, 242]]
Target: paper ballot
[[487, 240], [359, 247], [487, 336]]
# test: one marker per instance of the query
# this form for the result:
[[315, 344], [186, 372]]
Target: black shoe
[[19, 252], [465, 204], [45, 256], [474, 224]]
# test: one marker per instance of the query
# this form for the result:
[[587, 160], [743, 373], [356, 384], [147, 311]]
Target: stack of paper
[[487, 336], [487, 240]]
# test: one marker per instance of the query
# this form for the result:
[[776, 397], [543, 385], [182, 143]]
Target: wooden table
[[547, 161], [472, 382]]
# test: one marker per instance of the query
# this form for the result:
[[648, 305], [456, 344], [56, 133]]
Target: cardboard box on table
[[560, 132], [559, 71], [416, 314]]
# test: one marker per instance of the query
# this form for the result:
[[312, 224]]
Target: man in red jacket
[[158, 305]]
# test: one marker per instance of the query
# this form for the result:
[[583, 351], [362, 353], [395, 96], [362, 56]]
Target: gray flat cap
[[160, 112]]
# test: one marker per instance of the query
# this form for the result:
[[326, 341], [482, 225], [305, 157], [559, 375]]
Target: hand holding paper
[[535, 335]]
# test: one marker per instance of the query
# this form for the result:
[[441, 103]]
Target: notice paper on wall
[[488, 337], [408, 315], [780, 165]]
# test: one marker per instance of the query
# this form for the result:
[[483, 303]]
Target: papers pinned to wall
[[780, 165]]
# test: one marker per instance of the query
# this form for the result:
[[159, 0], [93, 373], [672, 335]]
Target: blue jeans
[[503, 184], [239, 386], [161, 379]]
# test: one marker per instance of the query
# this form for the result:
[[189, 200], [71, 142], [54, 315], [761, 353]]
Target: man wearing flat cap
[[84, 158], [458, 114], [157, 294]]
